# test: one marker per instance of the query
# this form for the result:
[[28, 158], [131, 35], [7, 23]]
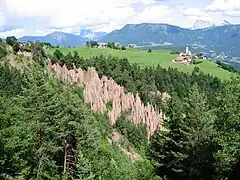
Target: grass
[[143, 58]]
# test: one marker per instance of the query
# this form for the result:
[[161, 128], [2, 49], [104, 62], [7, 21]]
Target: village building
[[116, 44], [185, 58], [102, 45], [132, 45]]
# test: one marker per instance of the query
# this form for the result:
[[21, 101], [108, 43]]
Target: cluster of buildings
[[185, 58], [116, 44], [105, 44]]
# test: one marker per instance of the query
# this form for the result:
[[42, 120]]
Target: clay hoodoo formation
[[98, 92]]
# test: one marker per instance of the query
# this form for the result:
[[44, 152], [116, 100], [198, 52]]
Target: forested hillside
[[50, 129]]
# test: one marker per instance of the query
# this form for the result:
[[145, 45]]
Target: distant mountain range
[[66, 39], [218, 41]]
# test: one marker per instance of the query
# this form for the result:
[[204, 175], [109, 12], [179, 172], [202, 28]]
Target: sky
[[41, 17]]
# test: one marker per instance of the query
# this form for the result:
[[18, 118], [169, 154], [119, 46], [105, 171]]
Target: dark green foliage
[[226, 66], [149, 51], [195, 62], [174, 52], [123, 48], [38, 53], [11, 80], [3, 51], [16, 47], [186, 151], [68, 61], [58, 54], [136, 134], [92, 44], [228, 127], [111, 45], [11, 40], [41, 118]]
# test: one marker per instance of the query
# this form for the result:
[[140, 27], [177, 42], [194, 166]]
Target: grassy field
[[161, 57]]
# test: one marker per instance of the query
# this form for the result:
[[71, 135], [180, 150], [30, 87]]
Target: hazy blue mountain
[[214, 40], [57, 38], [88, 33], [66, 39]]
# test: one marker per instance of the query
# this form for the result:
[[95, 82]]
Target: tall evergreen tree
[[228, 127], [187, 149]]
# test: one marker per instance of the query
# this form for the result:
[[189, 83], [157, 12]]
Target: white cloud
[[19, 32], [36, 17], [224, 5], [64, 14], [232, 13], [193, 12], [2, 18], [153, 14]]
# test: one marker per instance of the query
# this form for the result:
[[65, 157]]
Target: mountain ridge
[[217, 41], [58, 38]]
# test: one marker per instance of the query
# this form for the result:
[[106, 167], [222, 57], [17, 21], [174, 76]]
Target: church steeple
[[187, 50]]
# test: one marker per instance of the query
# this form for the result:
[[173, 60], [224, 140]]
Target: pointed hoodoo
[[99, 92]]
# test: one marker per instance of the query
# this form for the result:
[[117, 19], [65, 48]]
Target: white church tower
[[187, 50]]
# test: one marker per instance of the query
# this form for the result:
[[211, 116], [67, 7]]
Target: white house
[[102, 45], [132, 45]]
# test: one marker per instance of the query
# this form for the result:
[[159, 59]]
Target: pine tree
[[169, 148], [200, 120], [186, 150], [228, 127]]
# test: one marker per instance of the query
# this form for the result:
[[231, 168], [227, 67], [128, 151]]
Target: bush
[[16, 47], [226, 66], [174, 52], [58, 54], [11, 40], [123, 48], [3, 52]]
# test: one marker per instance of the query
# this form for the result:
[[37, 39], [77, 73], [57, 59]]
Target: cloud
[[41, 17], [19, 32], [2, 18], [193, 12], [224, 5], [153, 14], [232, 13], [65, 14], [62, 14]]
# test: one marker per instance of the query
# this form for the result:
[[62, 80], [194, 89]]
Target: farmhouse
[[132, 45], [102, 45], [116, 44]]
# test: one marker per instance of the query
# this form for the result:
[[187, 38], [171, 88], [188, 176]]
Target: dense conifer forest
[[48, 131]]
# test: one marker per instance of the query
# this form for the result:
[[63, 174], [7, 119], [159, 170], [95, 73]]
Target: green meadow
[[143, 58]]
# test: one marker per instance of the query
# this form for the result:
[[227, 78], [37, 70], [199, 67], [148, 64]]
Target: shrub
[[3, 52], [123, 48], [11, 40]]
